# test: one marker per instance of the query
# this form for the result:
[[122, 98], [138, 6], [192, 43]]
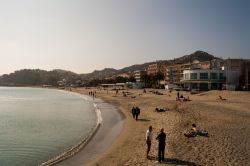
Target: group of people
[[161, 138], [135, 112], [93, 94], [180, 97]]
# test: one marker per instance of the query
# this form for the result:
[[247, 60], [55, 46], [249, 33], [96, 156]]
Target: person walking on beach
[[137, 113], [161, 137], [133, 112], [149, 136]]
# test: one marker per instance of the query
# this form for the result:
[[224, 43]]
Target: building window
[[186, 76], [214, 76], [222, 76], [203, 76], [193, 76], [203, 86]]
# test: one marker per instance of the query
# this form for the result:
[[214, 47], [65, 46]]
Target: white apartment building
[[203, 79]]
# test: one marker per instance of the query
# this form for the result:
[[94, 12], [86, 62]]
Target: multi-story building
[[216, 63], [203, 79], [124, 75], [173, 74], [231, 74], [155, 68], [247, 75], [139, 74], [235, 73]]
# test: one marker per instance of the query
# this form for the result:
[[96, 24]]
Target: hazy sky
[[82, 36]]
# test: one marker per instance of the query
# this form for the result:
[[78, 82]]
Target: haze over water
[[36, 124]]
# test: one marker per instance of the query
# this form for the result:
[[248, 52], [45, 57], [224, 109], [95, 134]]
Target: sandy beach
[[227, 121]]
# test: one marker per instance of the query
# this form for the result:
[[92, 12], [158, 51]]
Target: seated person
[[221, 98], [195, 131], [194, 128]]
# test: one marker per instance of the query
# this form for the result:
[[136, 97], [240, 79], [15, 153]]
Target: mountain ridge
[[46, 77]]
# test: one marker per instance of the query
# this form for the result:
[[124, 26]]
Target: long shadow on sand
[[143, 120], [174, 161]]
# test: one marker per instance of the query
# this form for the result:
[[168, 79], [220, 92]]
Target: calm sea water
[[37, 124]]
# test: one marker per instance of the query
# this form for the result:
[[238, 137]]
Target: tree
[[152, 81]]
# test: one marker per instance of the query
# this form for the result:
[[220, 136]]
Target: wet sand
[[227, 121], [110, 128]]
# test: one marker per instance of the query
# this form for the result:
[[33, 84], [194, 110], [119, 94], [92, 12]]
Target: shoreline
[[72, 151], [103, 136], [68, 153], [98, 106], [72, 156]]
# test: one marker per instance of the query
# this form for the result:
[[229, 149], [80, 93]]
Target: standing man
[[161, 137], [178, 95], [116, 92], [149, 136], [137, 112], [133, 112]]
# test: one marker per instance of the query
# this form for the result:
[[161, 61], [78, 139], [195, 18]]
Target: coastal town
[[198, 71], [125, 83], [195, 75], [230, 74], [216, 74]]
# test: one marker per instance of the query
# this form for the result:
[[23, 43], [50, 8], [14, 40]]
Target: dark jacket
[[161, 137], [137, 111], [133, 110]]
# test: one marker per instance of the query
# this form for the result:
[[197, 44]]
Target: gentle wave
[[98, 114], [75, 149], [14, 99]]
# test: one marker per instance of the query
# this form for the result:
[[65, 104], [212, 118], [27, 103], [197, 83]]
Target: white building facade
[[203, 79]]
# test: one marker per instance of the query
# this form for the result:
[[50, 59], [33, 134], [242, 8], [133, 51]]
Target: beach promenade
[[227, 121]]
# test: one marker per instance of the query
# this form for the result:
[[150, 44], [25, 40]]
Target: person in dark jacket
[[137, 113], [161, 137], [133, 112]]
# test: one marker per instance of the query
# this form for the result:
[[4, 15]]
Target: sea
[[37, 124]]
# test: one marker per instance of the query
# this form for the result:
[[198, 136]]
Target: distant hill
[[33, 77], [99, 74], [40, 77], [198, 55]]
